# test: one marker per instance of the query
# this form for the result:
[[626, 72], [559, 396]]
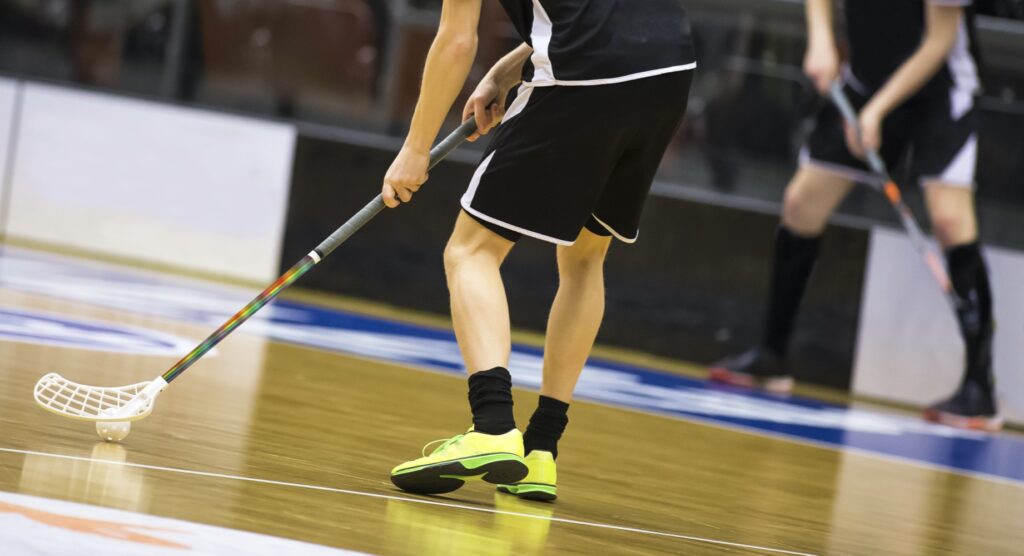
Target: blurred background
[[355, 64], [256, 126]]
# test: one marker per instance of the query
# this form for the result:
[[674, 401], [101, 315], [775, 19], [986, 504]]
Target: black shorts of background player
[[913, 77]]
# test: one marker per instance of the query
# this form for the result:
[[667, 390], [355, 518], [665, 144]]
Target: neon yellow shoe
[[539, 483], [471, 456]]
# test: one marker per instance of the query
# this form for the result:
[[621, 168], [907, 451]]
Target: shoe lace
[[446, 442]]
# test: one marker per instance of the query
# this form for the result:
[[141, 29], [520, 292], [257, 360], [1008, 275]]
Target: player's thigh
[[811, 197]]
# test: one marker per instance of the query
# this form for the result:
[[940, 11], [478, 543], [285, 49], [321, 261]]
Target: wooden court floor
[[297, 443]]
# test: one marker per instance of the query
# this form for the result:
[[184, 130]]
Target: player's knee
[[582, 258], [465, 248], [949, 227], [799, 212], [456, 253], [792, 206]]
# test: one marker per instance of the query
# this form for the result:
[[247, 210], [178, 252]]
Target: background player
[[605, 89], [913, 75]]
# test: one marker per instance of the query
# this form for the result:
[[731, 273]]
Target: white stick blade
[[59, 395]]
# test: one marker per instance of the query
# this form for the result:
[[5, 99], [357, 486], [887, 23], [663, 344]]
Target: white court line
[[693, 418], [413, 500]]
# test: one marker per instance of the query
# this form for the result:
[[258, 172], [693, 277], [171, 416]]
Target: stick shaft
[[892, 193], [345, 231], [373, 208]]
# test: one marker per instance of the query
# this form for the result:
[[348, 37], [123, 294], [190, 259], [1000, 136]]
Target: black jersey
[[884, 33], [593, 42]]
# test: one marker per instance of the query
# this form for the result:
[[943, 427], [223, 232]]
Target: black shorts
[[567, 157], [939, 134]]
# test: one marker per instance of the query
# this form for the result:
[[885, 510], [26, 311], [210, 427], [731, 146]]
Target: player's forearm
[[508, 71], [907, 80], [448, 64], [922, 65], [819, 22]]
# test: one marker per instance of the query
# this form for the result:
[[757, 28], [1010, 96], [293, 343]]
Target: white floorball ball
[[113, 431]]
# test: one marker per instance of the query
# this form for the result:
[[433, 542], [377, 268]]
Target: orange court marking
[[108, 529]]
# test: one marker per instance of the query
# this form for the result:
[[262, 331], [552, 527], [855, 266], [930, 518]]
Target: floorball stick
[[892, 192], [133, 402]]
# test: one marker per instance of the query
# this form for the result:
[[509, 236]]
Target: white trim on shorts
[[518, 104], [544, 82], [612, 231], [467, 205], [961, 170]]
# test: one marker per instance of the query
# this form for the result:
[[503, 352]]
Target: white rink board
[[909, 348], [184, 187], [8, 90]]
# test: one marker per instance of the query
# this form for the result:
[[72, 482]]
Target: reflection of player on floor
[[604, 90], [913, 77]]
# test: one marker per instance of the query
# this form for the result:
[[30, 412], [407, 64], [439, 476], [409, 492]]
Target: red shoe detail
[[990, 424]]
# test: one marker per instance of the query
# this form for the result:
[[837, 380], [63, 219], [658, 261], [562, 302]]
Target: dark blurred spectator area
[[343, 62], [357, 63]]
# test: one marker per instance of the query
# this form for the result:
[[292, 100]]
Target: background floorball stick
[[892, 192], [112, 408]]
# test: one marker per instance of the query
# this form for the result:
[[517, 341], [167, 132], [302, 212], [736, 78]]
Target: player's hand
[[821, 64], [407, 173], [870, 138], [487, 105]]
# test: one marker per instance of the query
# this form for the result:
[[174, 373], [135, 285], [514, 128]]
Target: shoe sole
[[447, 476], [989, 424], [531, 491], [775, 385]]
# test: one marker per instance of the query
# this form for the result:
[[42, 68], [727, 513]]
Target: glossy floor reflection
[[295, 442]]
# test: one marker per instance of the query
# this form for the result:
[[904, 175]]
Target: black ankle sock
[[546, 426], [969, 275], [490, 398], [794, 260]]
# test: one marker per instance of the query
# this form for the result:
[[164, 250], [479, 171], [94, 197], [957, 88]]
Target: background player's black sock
[[969, 275], [546, 426], [791, 269], [490, 398]]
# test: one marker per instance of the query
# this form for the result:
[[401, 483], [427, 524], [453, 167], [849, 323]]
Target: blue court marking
[[42, 328], [609, 382]]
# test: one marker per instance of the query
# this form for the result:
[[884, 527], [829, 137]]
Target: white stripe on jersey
[[540, 36], [962, 68]]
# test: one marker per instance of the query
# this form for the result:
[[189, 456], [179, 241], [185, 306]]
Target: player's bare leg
[[575, 314], [810, 199], [973, 405], [493, 449], [572, 327], [472, 262]]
